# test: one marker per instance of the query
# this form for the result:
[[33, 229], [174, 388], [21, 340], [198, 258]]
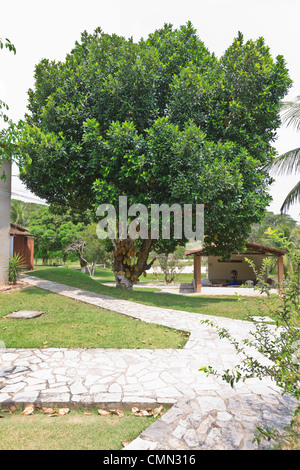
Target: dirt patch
[[6, 288]]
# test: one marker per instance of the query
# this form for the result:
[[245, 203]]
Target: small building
[[237, 270], [22, 243]]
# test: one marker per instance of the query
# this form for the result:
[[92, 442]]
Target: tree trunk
[[83, 263], [123, 282], [130, 262]]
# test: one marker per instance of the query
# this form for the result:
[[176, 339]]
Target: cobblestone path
[[206, 413]]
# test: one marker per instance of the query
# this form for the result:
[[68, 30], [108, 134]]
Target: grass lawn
[[106, 275], [71, 324], [74, 431], [224, 306]]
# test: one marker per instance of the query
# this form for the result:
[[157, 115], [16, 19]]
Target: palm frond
[[292, 197], [286, 164], [291, 113]]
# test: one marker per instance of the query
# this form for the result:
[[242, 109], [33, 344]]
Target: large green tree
[[160, 121]]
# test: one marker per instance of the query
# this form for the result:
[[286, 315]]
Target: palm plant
[[17, 213], [16, 264], [289, 162]]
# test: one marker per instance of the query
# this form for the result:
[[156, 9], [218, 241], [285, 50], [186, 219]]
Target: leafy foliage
[[89, 249], [53, 232], [279, 345], [161, 121], [22, 213], [5, 147], [289, 162], [169, 263], [16, 265], [284, 224], [8, 45], [56, 232], [13, 134]]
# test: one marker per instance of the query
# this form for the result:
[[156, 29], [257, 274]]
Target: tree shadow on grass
[[214, 305], [35, 291]]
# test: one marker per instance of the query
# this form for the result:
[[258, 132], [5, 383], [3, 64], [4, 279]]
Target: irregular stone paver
[[207, 412], [25, 314]]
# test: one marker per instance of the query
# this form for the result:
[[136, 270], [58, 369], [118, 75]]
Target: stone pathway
[[206, 413], [185, 288]]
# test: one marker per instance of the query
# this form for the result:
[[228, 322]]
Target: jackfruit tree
[[161, 120]]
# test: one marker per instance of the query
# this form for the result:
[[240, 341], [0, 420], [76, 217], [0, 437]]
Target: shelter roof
[[16, 229], [251, 248]]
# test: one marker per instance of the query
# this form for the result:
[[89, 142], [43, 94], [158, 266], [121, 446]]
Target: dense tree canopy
[[160, 121], [53, 233]]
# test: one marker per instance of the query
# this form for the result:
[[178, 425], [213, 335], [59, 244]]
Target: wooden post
[[280, 273], [197, 272], [30, 252]]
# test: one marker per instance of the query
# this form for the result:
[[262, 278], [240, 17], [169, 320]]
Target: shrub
[[280, 344], [16, 265]]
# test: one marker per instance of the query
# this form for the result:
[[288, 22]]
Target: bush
[[16, 265]]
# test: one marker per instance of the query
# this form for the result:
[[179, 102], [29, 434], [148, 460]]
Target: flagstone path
[[206, 413]]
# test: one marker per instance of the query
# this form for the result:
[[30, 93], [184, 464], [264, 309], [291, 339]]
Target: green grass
[[74, 431], [107, 276], [223, 306], [68, 323]]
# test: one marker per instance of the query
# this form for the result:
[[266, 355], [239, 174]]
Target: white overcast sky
[[41, 29]]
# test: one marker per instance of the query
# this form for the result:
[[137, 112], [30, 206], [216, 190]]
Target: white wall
[[5, 190], [221, 271]]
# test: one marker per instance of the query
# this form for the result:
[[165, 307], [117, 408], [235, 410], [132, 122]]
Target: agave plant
[[16, 264]]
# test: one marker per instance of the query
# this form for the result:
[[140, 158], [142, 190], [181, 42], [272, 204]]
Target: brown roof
[[268, 249], [253, 247], [18, 230]]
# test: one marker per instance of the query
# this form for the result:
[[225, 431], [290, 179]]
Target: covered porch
[[237, 271]]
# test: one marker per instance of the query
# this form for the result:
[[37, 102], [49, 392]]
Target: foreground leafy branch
[[278, 345]]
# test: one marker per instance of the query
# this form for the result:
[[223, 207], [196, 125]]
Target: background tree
[[285, 226], [161, 121], [53, 233], [283, 223], [16, 213], [169, 263], [89, 249], [22, 213]]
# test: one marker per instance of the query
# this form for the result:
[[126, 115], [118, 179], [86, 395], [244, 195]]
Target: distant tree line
[[61, 237], [283, 223], [285, 226]]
